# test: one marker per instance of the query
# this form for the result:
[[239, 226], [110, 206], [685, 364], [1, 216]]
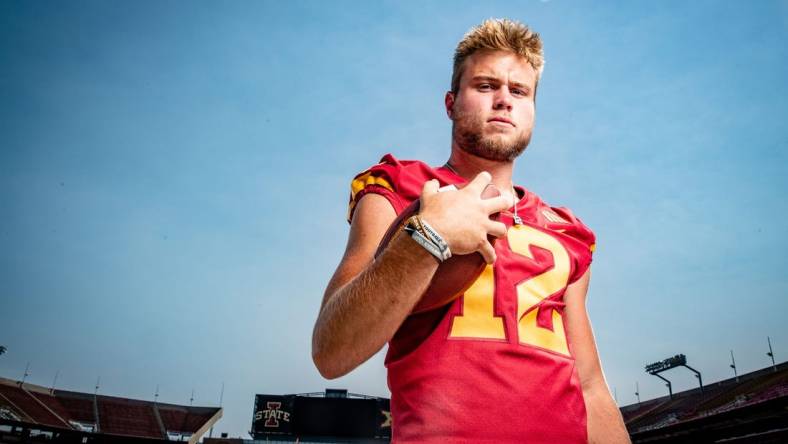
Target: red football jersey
[[494, 365]]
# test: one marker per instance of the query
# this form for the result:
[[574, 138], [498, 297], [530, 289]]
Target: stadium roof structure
[[109, 415], [750, 408]]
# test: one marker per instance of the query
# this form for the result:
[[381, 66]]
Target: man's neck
[[468, 166]]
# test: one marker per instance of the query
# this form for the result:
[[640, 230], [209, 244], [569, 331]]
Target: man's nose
[[503, 99]]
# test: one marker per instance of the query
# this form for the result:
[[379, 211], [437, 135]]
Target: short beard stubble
[[467, 132]]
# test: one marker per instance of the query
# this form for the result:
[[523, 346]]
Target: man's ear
[[449, 103]]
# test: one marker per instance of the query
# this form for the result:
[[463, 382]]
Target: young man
[[514, 358]]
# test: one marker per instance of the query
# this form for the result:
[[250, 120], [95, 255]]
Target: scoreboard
[[333, 414]]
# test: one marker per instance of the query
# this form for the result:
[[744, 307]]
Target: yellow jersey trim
[[362, 182]]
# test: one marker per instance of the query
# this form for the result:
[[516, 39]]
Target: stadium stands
[[79, 407], [128, 417], [28, 407], [34, 405], [748, 409], [183, 420]]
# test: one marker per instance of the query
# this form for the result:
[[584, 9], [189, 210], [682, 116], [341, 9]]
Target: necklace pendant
[[517, 220]]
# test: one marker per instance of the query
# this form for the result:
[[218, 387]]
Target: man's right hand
[[462, 217]]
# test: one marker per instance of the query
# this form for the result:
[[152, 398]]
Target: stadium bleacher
[[750, 408], [28, 407], [183, 420], [32, 405], [128, 417], [77, 407]]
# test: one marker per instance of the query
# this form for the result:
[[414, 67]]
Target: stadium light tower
[[770, 354], [667, 383], [733, 366], [54, 382], [666, 364], [27, 373]]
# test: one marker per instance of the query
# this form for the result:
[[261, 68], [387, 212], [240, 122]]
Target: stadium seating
[[752, 396], [179, 419], [78, 406], [53, 403], [120, 416], [28, 407], [107, 415]]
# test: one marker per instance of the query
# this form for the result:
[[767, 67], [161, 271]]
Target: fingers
[[496, 204], [430, 188], [488, 252], [497, 229], [479, 182]]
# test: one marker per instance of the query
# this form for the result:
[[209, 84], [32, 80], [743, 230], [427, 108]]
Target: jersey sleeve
[[382, 179], [583, 236]]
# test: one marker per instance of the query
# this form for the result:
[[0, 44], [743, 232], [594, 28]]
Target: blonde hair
[[499, 34]]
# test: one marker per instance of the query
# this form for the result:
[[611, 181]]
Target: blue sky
[[174, 180]]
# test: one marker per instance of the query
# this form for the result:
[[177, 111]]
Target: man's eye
[[485, 87], [519, 92]]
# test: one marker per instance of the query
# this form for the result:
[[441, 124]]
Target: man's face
[[493, 110]]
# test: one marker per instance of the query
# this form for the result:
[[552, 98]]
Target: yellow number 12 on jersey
[[478, 320]]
